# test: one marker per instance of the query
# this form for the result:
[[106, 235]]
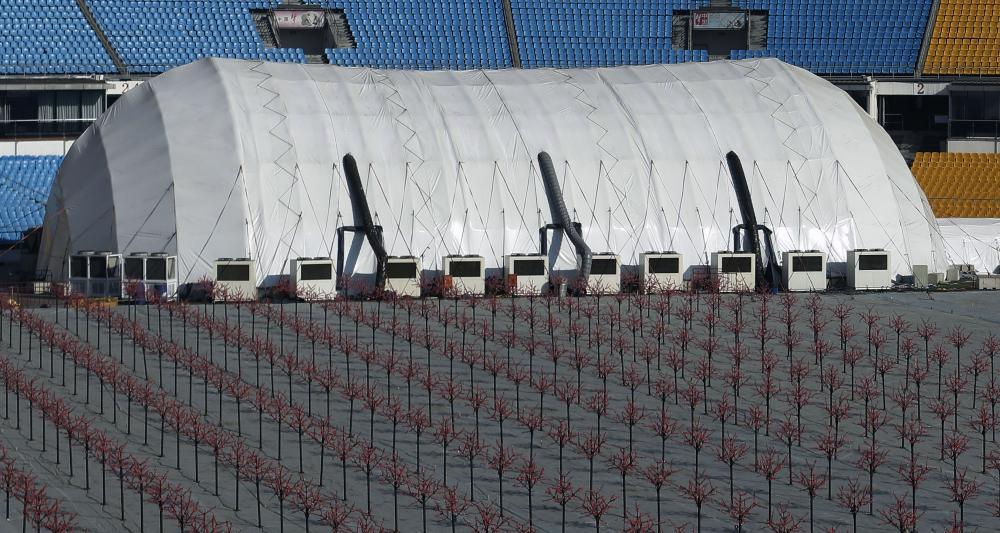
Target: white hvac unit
[[605, 273], [153, 273], [804, 270], [957, 272], [868, 269], [737, 271], [235, 279], [526, 273], [988, 282], [662, 270], [465, 274], [95, 274], [313, 278], [402, 275]]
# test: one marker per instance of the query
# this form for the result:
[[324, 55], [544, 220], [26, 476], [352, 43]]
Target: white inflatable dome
[[229, 158]]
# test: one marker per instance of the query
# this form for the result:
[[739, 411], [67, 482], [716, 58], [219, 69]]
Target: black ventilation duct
[[751, 239], [363, 218], [557, 208]]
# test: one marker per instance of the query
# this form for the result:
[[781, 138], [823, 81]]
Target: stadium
[[500, 265]]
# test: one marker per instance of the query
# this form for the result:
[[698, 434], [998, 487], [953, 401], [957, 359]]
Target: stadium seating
[[966, 38], [960, 185], [48, 37], [825, 36], [25, 182], [844, 36], [597, 33], [156, 35], [418, 34]]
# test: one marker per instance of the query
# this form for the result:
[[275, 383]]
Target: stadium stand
[[825, 36], [417, 34], [49, 37], [960, 185], [155, 35], [844, 36], [25, 182], [597, 33], [966, 38]]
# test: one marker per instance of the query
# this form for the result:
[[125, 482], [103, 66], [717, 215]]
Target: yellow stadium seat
[[960, 185]]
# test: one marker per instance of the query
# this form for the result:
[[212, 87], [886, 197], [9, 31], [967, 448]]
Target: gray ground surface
[[977, 313]]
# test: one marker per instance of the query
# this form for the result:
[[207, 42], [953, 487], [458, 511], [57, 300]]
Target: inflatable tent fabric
[[230, 158]]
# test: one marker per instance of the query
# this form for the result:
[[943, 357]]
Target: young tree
[[785, 522], [994, 463], [451, 506], [596, 505], [983, 422], [955, 444], [730, 452], [256, 469], [367, 458], [590, 447], [870, 458], [307, 499], [658, 474], [696, 436], [598, 404], [899, 515], [501, 460], [770, 464], [740, 508], [811, 482], [528, 476], [624, 462], [958, 337], [562, 492], [470, 447], [394, 472], [280, 482], [961, 491], [631, 415], [418, 421], [423, 487], [913, 474], [336, 515], [698, 489], [788, 432], [854, 497]]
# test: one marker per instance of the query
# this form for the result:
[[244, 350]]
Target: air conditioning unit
[[988, 282], [663, 270], [605, 273], [526, 273], [313, 278], [154, 273], [804, 270], [465, 274], [957, 272], [235, 279], [95, 274], [402, 275], [737, 271], [868, 269]]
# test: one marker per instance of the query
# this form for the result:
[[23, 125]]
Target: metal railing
[[28, 128]]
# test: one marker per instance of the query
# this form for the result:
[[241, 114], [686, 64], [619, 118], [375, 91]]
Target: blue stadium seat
[[423, 34], [25, 182], [825, 36], [155, 35], [48, 37], [844, 36]]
